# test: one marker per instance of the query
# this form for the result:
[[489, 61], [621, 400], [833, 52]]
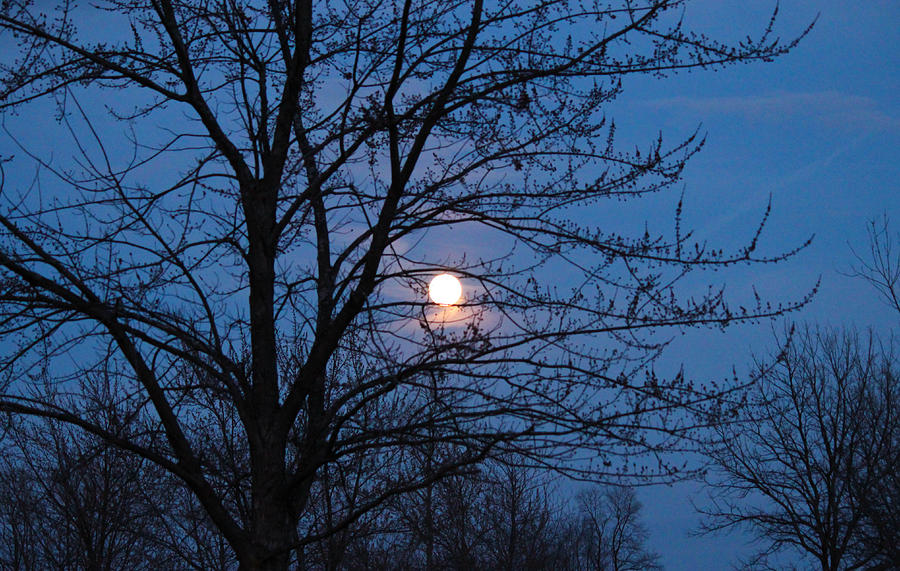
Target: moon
[[445, 289]]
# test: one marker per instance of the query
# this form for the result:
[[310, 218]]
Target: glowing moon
[[445, 289]]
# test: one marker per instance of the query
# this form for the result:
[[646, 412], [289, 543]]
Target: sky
[[818, 131]]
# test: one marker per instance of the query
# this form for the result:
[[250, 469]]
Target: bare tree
[[875, 479], [611, 535], [879, 496], [71, 502], [517, 521], [881, 265], [503, 517], [810, 453], [260, 199]]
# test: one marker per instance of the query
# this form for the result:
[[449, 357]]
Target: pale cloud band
[[831, 107]]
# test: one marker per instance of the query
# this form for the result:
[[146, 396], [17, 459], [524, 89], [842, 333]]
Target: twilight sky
[[817, 130]]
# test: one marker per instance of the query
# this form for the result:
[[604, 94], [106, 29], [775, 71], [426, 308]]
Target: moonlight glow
[[445, 289]]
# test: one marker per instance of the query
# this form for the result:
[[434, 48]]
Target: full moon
[[445, 289]]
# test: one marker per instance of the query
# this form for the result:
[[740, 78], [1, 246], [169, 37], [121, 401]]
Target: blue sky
[[817, 130]]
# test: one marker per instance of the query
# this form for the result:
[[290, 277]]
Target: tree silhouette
[[245, 231], [71, 501], [810, 464], [611, 532]]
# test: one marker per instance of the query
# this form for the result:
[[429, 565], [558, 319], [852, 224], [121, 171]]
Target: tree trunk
[[273, 530]]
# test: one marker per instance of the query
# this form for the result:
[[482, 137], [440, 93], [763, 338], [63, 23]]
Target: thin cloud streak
[[831, 107]]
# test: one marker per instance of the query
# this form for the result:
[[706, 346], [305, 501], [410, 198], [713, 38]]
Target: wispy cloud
[[831, 107]]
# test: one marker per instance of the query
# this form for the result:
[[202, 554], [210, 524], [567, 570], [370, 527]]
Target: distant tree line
[[68, 501]]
